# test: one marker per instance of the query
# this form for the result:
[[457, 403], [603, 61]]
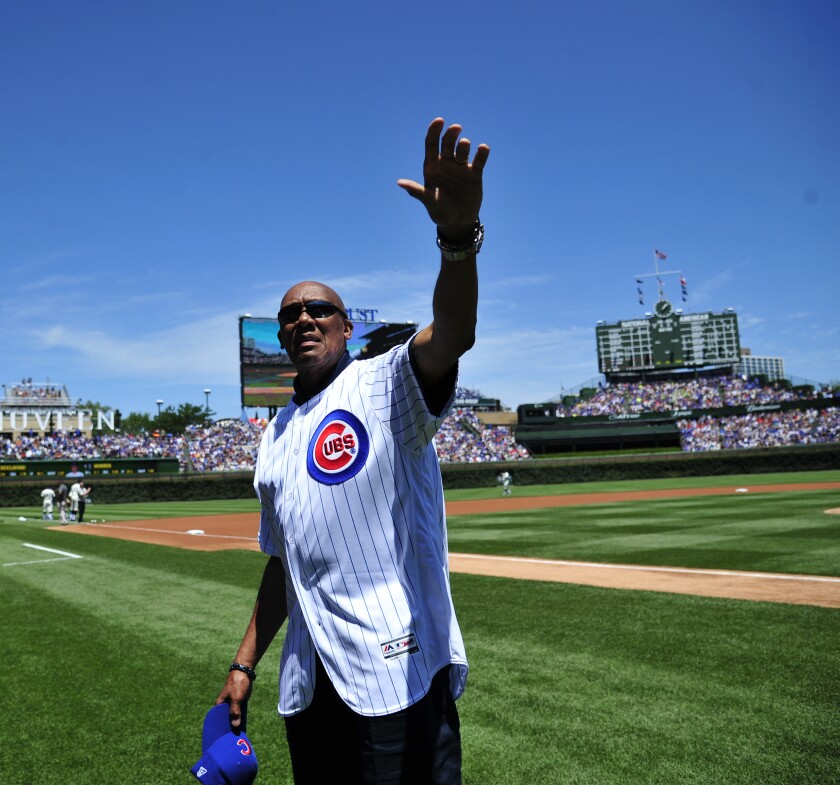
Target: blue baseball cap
[[228, 758]]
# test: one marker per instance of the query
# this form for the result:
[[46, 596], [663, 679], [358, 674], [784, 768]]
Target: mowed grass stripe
[[585, 685], [121, 658], [785, 532], [569, 684], [750, 481]]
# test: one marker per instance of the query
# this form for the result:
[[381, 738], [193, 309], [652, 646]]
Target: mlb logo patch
[[338, 449], [399, 646]]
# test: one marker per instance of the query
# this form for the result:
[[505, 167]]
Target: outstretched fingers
[[462, 151], [451, 147], [433, 138], [446, 166], [481, 155], [412, 188], [447, 143]]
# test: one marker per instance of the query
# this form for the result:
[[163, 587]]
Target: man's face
[[314, 343]]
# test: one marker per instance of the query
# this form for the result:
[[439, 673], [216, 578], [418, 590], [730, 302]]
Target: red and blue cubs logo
[[338, 449]]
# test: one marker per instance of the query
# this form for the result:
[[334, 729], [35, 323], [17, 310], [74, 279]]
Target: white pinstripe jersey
[[352, 502]]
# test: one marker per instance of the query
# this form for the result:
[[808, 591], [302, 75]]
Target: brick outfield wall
[[16, 492]]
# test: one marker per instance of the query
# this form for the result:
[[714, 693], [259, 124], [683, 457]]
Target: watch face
[[663, 308]]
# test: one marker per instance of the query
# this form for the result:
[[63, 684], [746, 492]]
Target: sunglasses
[[317, 309]]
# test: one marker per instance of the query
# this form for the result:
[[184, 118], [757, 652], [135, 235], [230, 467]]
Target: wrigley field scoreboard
[[668, 340]]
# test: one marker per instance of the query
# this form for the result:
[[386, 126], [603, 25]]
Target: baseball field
[[679, 631]]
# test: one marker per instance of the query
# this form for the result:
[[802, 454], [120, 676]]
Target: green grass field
[[112, 659]]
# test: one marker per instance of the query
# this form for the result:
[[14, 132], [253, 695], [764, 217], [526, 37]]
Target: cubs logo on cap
[[227, 757], [338, 449]]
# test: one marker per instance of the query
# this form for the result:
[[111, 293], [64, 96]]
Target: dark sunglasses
[[317, 309]]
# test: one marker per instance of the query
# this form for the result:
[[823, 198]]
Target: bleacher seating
[[231, 445]]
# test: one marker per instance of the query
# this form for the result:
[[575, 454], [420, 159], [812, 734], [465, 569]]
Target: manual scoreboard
[[668, 340]]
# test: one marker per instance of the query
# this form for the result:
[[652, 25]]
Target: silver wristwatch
[[458, 253]]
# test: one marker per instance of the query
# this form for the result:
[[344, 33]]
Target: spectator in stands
[[231, 445], [464, 438], [703, 393], [760, 429]]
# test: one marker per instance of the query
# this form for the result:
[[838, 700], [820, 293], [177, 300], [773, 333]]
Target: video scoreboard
[[668, 340], [266, 373]]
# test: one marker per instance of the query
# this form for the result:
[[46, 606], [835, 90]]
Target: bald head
[[312, 290], [315, 341]]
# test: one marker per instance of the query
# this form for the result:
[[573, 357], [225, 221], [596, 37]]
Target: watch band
[[453, 252]]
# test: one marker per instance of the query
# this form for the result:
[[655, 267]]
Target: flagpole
[[658, 278], [657, 257]]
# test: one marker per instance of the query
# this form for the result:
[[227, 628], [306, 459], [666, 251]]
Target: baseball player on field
[[47, 496], [352, 520]]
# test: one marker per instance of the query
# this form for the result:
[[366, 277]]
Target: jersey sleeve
[[397, 399], [268, 531]]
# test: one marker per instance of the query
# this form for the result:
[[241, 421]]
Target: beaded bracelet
[[238, 666]]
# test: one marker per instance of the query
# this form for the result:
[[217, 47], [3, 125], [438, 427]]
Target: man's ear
[[280, 338], [348, 329]]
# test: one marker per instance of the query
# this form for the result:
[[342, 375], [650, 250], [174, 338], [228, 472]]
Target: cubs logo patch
[[338, 449]]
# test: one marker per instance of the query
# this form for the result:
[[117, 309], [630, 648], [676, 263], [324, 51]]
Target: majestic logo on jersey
[[339, 448], [399, 646]]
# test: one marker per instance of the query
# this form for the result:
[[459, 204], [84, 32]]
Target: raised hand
[[452, 186]]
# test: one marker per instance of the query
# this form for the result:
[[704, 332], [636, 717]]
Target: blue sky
[[167, 167]]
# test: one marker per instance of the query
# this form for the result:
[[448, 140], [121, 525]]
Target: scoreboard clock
[[668, 340]]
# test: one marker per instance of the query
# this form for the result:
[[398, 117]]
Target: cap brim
[[216, 725]]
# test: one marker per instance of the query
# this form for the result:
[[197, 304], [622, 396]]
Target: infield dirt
[[222, 532]]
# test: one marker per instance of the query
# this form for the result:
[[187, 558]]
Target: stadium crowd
[[74, 445], [231, 445], [760, 429], [27, 392], [228, 446], [463, 438], [704, 393]]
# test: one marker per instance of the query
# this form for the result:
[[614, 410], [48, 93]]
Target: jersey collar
[[301, 398]]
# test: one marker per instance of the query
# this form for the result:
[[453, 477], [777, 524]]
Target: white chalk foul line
[[641, 568], [173, 531], [62, 556]]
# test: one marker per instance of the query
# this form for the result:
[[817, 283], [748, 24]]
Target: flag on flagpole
[[660, 255], [641, 296], [684, 287]]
